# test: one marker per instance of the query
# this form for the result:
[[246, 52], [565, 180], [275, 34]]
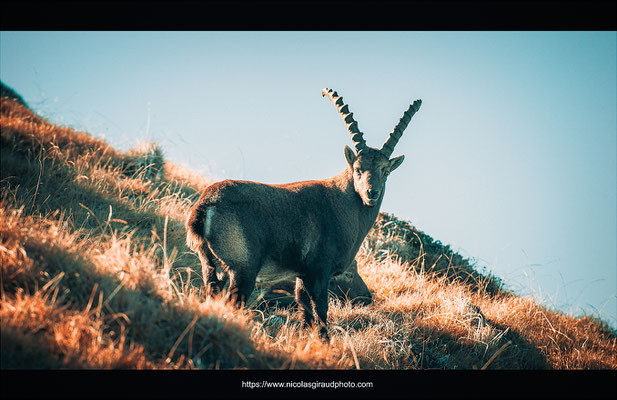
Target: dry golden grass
[[96, 274]]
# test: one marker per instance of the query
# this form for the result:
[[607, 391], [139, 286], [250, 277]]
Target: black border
[[310, 15], [434, 384]]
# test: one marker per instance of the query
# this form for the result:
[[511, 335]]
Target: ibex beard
[[309, 230]]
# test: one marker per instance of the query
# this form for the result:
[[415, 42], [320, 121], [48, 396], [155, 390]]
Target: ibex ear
[[350, 156], [396, 162]]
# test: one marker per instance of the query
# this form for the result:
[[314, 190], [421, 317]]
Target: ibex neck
[[366, 215]]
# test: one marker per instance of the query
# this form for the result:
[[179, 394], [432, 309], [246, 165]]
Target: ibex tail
[[195, 228]]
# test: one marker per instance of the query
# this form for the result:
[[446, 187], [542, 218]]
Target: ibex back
[[310, 229]]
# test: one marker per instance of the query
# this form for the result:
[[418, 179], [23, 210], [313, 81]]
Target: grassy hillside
[[96, 274]]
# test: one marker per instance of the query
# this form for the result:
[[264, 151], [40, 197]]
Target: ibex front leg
[[312, 298]]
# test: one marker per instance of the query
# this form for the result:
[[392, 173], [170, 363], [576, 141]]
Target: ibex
[[310, 229]]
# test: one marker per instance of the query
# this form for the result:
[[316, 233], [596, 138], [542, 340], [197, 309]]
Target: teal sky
[[511, 160]]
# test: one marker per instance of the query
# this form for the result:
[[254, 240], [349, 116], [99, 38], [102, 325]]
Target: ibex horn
[[396, 133], [352, 125]]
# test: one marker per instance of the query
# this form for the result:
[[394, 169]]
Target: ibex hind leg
[[303, 300], [241, 283], [208, 270]]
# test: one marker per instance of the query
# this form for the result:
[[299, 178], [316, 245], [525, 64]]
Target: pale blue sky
[[511, 160]]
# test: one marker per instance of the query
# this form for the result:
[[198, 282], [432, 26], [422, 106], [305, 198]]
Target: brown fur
[[311, 229]]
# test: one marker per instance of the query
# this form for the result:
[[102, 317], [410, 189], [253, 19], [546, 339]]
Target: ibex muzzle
[[311, 229]]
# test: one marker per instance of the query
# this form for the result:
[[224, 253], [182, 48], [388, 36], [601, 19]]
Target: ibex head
[[370, 166]]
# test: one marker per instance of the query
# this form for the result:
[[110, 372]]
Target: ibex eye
[[386, 173]]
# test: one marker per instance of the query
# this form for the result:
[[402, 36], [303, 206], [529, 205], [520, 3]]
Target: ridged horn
[[396, 133], [352, 125]]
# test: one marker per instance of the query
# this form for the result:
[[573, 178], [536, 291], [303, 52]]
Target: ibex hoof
[[323, 334]]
